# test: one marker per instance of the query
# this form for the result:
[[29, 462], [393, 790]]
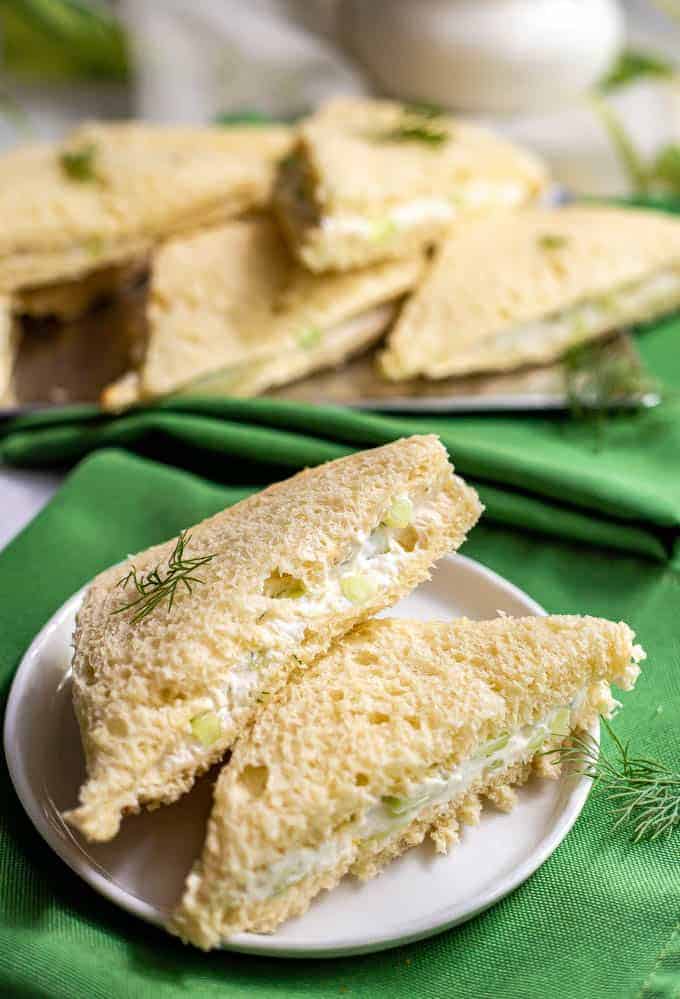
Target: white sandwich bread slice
[[162, 689], [110, 191], [511, 291], [261, 321], [395, 734], [372, 179]]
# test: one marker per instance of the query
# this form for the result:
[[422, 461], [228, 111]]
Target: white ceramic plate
[[143, 868]]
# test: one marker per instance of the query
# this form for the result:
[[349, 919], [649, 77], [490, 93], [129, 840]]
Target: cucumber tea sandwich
[[524, 289], [396, 733], [369, 179], [175, 649], [261, 321]]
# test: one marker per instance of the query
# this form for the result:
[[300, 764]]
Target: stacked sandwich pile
[[252, 640], [275, 252]]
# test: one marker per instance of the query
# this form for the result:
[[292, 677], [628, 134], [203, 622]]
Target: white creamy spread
[[376, 555], [630, 303], [421, 211], [406, 216], [386, 815]]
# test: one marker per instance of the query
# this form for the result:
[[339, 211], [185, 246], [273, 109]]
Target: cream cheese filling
[[631, 303], [373, 562], [423, 211], [386, 815]]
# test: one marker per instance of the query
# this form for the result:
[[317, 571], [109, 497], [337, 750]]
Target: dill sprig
[[643, 794], [633, 64], [79, 164], [660, 174], [157, 586], [419, 123]]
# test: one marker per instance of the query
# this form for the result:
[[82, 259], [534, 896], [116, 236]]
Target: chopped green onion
[[206, 727], [357, 587], [400, 514]]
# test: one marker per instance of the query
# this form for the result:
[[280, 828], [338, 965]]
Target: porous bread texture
[[262, 309], [345, 166], [443, 825], [68, 300], [492, 275], [391, 703], [150, 182], [9, 339], [136, 687]]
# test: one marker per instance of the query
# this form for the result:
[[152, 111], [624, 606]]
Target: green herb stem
[[643, 794], [155, 587], [630, 159]]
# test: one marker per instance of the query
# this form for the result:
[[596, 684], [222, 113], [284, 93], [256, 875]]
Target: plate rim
[[252, 943]]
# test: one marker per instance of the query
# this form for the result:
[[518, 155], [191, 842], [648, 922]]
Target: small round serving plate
[[142, 870]]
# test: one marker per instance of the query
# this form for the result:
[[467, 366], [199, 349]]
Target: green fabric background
[[586, 518], [597, 920]]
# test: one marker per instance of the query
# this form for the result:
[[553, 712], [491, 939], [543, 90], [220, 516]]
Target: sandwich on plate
[[511, 291], [367, 180], [230, 311], [395, 734], [174, 649], [109, 192]]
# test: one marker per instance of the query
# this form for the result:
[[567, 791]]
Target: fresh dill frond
[[157, 586], [661, 174], [411, 131], [634, 64], [598, 380], [423, 109], [664, 171], [79, 164], [419, 123], [552, 241], [643, 794]]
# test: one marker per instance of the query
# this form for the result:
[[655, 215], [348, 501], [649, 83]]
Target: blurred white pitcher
[[484, 55]]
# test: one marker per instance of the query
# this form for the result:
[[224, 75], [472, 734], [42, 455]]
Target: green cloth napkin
[[610, 482], [598, 920]]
